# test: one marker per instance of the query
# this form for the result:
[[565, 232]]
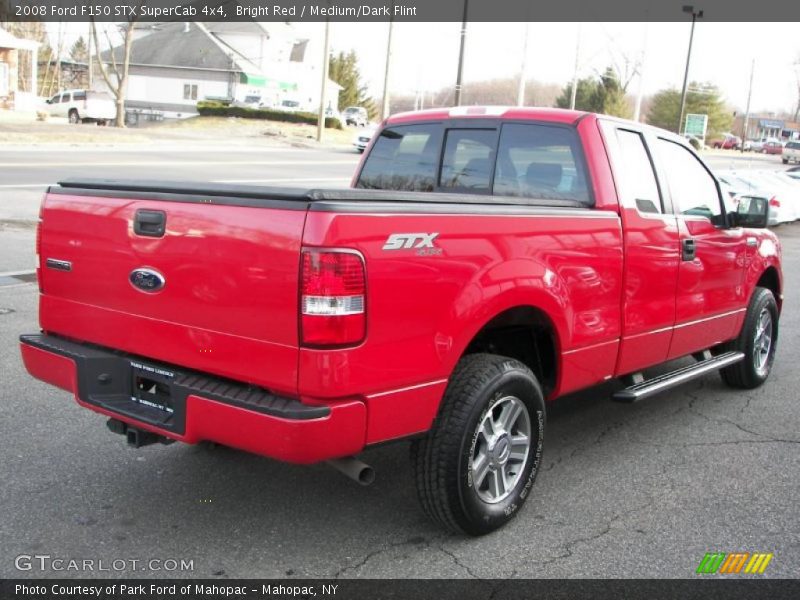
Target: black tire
[[73, 117], [746, 374], [785, 161], [443, 459]]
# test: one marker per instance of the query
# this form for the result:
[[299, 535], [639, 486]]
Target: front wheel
[[74, 117], [757, 340], [476, 466]]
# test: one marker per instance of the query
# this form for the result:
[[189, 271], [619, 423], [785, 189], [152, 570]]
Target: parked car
[[772, 148], [757, 145], [362, 138], [332, 113], [783, 201], [248, 102], [289, 106], [355, 115], [791, 152], [487, 262], [82, 106], [728, 142], [737, 188]]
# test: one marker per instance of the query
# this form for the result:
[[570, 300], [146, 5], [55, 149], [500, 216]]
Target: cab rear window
[[526, 160], [403, 158]]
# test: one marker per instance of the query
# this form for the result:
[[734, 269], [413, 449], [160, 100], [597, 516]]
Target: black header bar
[[398, 10]]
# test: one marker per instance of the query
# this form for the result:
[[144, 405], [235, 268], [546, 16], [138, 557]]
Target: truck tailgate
[[217, 291]]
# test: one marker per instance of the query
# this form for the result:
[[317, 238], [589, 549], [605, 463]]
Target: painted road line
[[138, 149], [24, 185], [179, 163]]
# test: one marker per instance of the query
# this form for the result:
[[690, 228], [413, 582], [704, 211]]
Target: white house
[[17, 90], [173, 65]]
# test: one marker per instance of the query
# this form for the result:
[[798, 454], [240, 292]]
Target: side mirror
[[752, 211]]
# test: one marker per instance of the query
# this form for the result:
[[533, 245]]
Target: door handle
[[150, 223], [688, 249]]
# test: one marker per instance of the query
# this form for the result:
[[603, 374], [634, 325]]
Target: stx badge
[[400, 241]]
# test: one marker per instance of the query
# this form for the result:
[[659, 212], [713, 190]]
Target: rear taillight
[[774, 202], [332, 298]]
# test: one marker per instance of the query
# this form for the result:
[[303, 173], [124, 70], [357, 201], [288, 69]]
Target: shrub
[[220, 109]]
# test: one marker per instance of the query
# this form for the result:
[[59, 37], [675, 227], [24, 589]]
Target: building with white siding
[[174, 65]]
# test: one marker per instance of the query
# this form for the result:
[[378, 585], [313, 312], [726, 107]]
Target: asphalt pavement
[[625, 491]]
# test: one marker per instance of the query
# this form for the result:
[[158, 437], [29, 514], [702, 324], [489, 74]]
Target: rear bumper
[[202, 408]]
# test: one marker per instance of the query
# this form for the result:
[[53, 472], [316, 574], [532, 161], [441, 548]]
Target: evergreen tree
[[79, 51], [701, 99], [343, 69]]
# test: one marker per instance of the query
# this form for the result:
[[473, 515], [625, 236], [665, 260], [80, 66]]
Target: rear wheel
[[475, 468], [757, 341]]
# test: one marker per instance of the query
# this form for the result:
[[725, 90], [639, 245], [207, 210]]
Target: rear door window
[[404, 157], [540, 161], [79, 96], [637, 179]]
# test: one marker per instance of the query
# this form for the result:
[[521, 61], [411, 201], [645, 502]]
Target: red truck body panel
[[230, 303], [606, 280]]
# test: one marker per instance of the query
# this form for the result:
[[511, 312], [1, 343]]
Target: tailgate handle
[[151, 223]]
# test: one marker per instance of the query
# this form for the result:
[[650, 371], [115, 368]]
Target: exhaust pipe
[[353, 468]]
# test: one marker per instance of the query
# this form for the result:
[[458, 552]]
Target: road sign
[[696, 125]]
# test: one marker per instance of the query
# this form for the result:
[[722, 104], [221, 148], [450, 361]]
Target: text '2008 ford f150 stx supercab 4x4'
[[485, 262]]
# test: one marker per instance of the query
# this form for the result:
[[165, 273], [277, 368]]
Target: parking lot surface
[[640, 490]]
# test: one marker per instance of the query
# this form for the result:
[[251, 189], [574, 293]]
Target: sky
[[425, 55]]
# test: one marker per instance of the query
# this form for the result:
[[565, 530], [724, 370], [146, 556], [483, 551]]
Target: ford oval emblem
[[147, 280]]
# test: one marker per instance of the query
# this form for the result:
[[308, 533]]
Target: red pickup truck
[[484, 263]]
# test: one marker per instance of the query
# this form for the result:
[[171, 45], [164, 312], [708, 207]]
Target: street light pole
[[522, 68], [574, 94], [325, 62], [385, 101], [747, 110], [460, 72], [695, 15]]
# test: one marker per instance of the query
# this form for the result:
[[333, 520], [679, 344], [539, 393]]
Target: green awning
[[263, 81], [255, 80]]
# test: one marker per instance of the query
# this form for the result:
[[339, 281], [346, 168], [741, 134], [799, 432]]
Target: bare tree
[[117, 79]]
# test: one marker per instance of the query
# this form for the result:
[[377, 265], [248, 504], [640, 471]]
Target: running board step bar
[[650, 387]]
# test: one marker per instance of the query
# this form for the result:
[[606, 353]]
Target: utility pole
[[385, 103], [637, 113], [460, 73], [324, 87], [695, 15], [522, 69], [89, 56], [574, 95], [747, 110]]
